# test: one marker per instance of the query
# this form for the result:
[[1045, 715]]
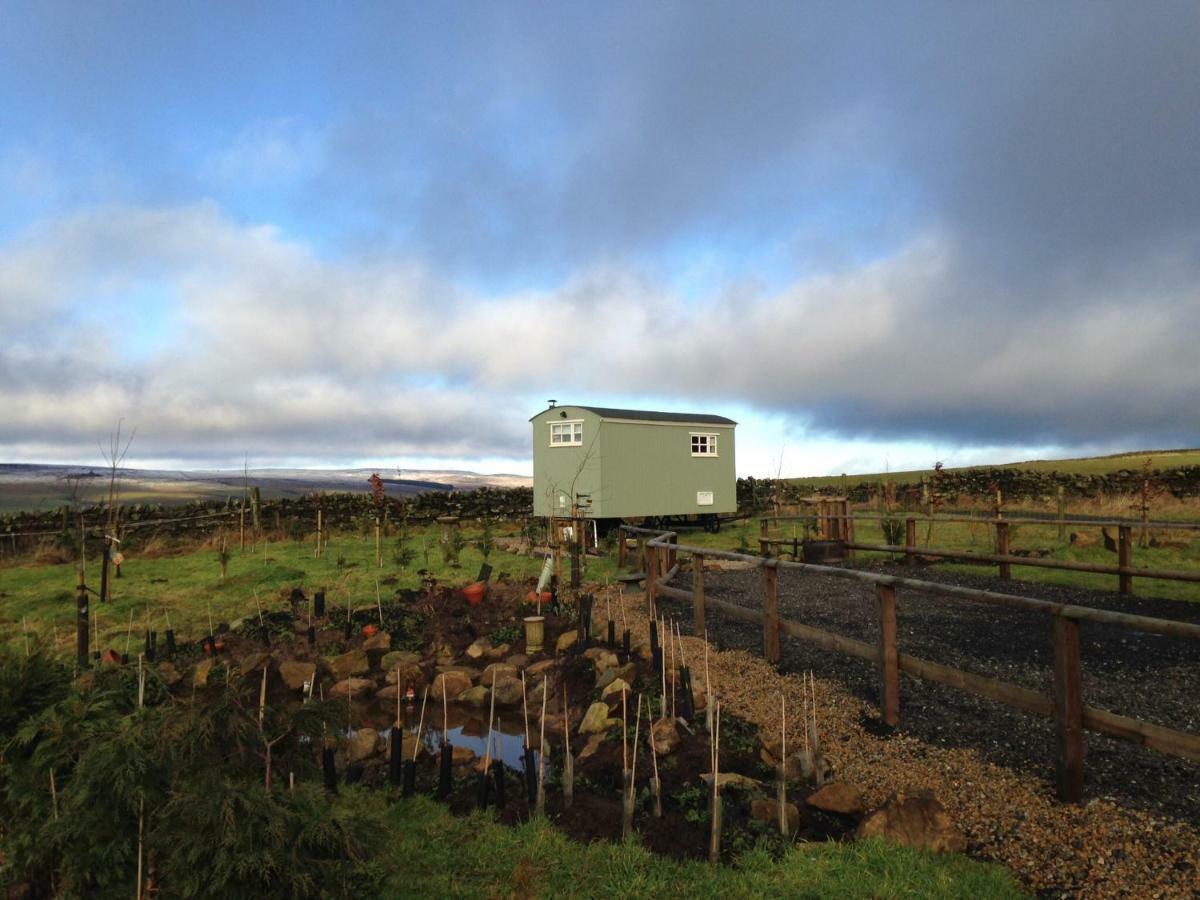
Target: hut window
[[566, 434], [704, 444]]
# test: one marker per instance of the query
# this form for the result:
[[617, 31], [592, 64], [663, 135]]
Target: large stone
[[732, 779], [540, 668], [500, 651], [615, 687], [295, 674], [518, 660], [592, 745], [399, 658], [498, 670], [595, 720], [768, 811], [202, 670], [665, 736], [450, 685], [353, 687], [380, 640], [363, 744], [602, 659], [626, 673], [508, 691], [839, 798], [914, 819], [348, 664], [476, 696], [799, 764], [405, 674], [254, 661], [566, 641], [480, 648], [168, 674], [460, 756]]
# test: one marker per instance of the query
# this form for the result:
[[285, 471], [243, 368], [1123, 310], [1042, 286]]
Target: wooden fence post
[[1068, 710], [889, 660], [762, 528], [651, 574], [910, 542], [849, 533], [1002, 548], [771, 611], [698, 592], [620, 547], [673, 554], [1062, 514], [1125, 558], [641, 553], [764, 547]]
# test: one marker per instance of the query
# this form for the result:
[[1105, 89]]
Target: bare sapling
[[540, 807], [708, 696], [781, 786], [378, 601], [655, 784], [630, 791], [714, 845], [568, 760]]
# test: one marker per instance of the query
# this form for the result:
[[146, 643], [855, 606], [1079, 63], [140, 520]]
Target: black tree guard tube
[[312, 634], [657, 657], [686, 705], [395, 763], [443, 790], [501, 797], [530, 776], [410, 779], [319, 604], [485, 788], [170, 643], [654, 637], [625, 645], [346, 631], [612, 633], [330, 770]]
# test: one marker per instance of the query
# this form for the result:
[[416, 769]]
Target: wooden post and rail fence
[[1064, 705], [842, 521]]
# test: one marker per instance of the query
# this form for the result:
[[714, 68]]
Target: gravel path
[[1137, 835]]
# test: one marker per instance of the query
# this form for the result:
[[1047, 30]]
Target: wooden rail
[[1064, 706]]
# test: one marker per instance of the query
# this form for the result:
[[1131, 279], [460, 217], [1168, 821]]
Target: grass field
[[1089, 465], [431, 853]]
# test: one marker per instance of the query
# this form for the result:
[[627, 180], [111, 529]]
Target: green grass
[[428, 852], [1089, 465], [187, 585]]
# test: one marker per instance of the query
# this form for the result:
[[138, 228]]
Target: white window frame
[[710, 442], [574, 433]]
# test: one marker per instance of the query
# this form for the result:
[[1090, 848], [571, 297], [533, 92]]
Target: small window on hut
[[566, 434], [704, 444]]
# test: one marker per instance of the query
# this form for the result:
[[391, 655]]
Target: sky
[[876, 235]]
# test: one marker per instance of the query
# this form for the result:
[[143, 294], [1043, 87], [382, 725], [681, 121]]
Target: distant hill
[[1088, 465], [38, 487]]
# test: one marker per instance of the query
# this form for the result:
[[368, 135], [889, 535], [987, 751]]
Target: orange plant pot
[[370, 630], [474, 593]]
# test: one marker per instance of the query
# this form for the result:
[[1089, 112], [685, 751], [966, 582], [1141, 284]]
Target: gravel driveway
[[1146, 676]]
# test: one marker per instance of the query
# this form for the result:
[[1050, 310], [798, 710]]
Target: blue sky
[[385, 234]]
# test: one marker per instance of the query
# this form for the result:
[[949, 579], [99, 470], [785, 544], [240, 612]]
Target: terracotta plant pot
[[370, 630], [535, 633], [474, 593]]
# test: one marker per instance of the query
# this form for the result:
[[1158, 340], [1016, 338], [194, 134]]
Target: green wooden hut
[[596, 463]]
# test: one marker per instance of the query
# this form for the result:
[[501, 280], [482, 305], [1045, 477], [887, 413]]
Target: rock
[[168, 674], [112, 658], [460, 756], [405, 675], [498, 670], [201, 672], [348, 664], [255, 661], [476, 696], [595, 720], [500, 651], [615, 687], [479, 648], [592, 745], [914, 819], [626, 673], [732, 779], [508, 691], [768, 811], [602, 659], [380, 640], [518, 661], [295, 674], [450, 684], [799, 764], [540, 668], [566, 641], [383, 695], [353, 687], [361, 745], [554, 726], [839, 798], [665, 736], [399, 658]]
